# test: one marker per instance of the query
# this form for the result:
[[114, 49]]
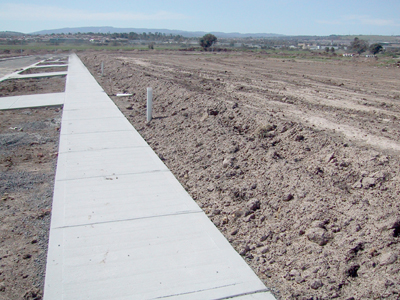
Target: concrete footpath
[[24, 101], [122, 226]]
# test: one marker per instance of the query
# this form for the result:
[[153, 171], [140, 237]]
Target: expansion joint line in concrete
[[81, 133], [132, 219], [111, 175], [244, 294], [83, 119], [198, 291], [85, 151], [219, 287]]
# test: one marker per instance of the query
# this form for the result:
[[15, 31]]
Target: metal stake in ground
[[149, 103], [102, 68]]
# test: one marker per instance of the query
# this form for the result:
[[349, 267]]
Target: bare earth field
[[44, 70], [29, 86], [295, 161], [28, 155]]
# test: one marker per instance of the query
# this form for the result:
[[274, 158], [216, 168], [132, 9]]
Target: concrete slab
[[24, 101], [148, 259], [16, 72], [106, 163], [86, 126], [89, 101], [101, 113], [122, 197], [7, 102], [122, 226], [40, 75], [255, 296], [101, 140], [84, 85], [46, 66]]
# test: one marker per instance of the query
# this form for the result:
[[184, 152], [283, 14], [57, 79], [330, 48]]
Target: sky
[[289, 17]]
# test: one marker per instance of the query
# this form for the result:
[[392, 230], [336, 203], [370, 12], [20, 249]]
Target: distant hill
[[109, 29], [7, 34]]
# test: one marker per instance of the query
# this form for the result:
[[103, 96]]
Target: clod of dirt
[[226, 162], [368, 182], [265, 131], [388, 258], [253, 204], [316, 284], [318, 235], [396, 229], [234, 232], [352, 271], [33, 295], [288, 197], [213, 112]]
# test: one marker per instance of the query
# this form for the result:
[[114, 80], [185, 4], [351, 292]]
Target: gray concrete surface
[[14, 102], [8, 66]]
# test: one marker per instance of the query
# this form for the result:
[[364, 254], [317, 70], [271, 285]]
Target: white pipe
[[149, 103], [123, 95]]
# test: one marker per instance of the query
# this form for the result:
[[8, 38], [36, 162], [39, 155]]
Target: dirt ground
[[44, 70], [29, 86], [295, 161], [28, 155], [47, 63]]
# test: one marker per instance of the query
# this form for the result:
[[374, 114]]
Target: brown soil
[[44, 70], [28, 154], [295, 161], [29, 86], [45, 63]]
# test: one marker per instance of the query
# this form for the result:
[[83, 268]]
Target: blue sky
[[252, 16]]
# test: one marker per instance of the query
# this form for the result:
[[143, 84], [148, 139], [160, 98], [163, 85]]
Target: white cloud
[[29, 12], [366, 20], [360, 20]]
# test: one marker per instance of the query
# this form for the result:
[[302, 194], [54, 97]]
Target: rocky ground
[[28, 155], [295, 161]]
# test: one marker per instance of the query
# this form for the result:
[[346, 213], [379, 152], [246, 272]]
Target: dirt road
[[295, 161]]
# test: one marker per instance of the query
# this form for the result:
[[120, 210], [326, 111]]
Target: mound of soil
[[313, 212], [30, 86], [28, 155]]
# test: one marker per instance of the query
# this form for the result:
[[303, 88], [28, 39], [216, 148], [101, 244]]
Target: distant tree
[[375, 48], [207, 41], [151, 46], [359, 46], [332, 50], [326, 49]]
